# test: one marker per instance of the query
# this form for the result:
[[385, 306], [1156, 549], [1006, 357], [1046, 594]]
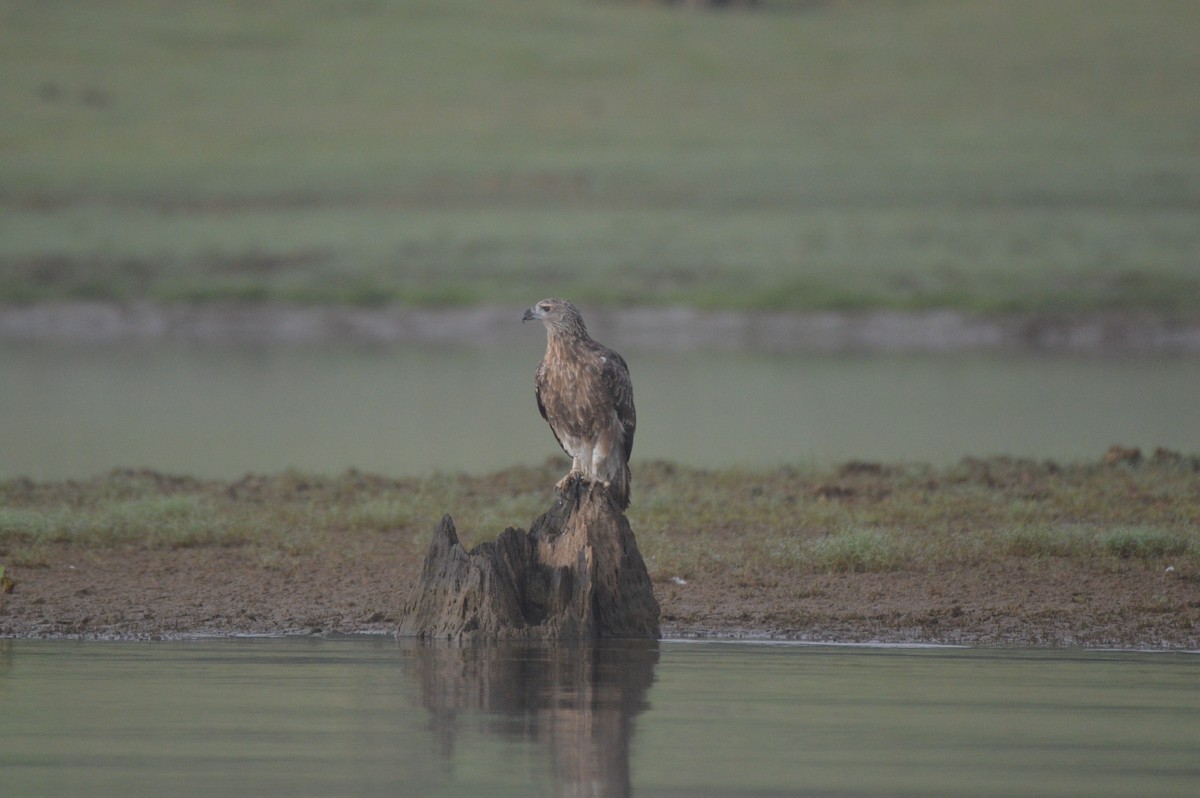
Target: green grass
[[689, 523], [1150, 543], [1120, 541], [292, 512], [988, 157], [857, 551]]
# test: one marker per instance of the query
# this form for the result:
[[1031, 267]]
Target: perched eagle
[[583, 391]]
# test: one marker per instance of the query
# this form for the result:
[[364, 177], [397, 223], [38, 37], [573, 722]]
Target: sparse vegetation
[[857, 518], [290, 511], [7, 585]]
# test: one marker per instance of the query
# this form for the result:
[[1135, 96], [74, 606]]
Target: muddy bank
[[672, 328], [148, 594], [996, 551]]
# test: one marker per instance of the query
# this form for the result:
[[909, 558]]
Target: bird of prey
[[584, 392]]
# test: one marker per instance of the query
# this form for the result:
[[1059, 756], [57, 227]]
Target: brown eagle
[[583, 391]]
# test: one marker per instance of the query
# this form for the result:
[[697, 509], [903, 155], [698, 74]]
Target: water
[[222, 410], [297, 717]]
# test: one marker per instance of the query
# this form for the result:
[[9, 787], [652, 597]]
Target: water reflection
[[579, 702], [298, 717]]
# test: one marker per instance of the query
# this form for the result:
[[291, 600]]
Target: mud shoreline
[[203, 592], [669, 328]]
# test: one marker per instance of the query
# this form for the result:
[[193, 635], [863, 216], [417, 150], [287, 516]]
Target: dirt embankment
[[995, 551]]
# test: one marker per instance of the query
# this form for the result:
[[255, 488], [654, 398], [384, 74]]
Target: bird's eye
[[544, 306]]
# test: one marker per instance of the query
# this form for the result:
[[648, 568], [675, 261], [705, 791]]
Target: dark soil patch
[[151, 593], [1015, 602]]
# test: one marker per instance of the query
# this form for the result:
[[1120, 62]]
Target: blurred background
[[239, 237]]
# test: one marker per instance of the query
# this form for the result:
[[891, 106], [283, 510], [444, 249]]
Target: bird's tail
[[619, 488]]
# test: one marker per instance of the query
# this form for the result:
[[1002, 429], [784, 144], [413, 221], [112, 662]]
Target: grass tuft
[[1042, 541], [857, 551], [1149, 542]]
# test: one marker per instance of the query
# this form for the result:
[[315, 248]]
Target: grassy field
[[745, 525], [989, 157]]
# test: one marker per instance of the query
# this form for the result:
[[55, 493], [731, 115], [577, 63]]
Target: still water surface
[[222, 410], [357, 717]]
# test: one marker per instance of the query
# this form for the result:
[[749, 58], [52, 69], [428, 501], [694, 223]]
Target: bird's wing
[[615, 376], [539, 385]]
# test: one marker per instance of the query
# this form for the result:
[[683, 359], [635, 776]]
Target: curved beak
[[529, 316]]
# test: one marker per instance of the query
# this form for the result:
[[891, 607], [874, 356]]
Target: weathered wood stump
[[576, 574]]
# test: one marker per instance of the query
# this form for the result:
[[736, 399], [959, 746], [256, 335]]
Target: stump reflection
[[578, 701]]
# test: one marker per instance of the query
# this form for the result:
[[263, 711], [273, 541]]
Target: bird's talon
[[564, 485]]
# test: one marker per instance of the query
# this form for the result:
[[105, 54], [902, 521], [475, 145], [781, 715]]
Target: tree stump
[[576, 574]]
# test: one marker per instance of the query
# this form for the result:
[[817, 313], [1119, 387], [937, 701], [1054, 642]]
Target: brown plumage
[[584, 392]]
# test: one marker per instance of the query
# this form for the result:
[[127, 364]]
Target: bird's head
[[559, 316]]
